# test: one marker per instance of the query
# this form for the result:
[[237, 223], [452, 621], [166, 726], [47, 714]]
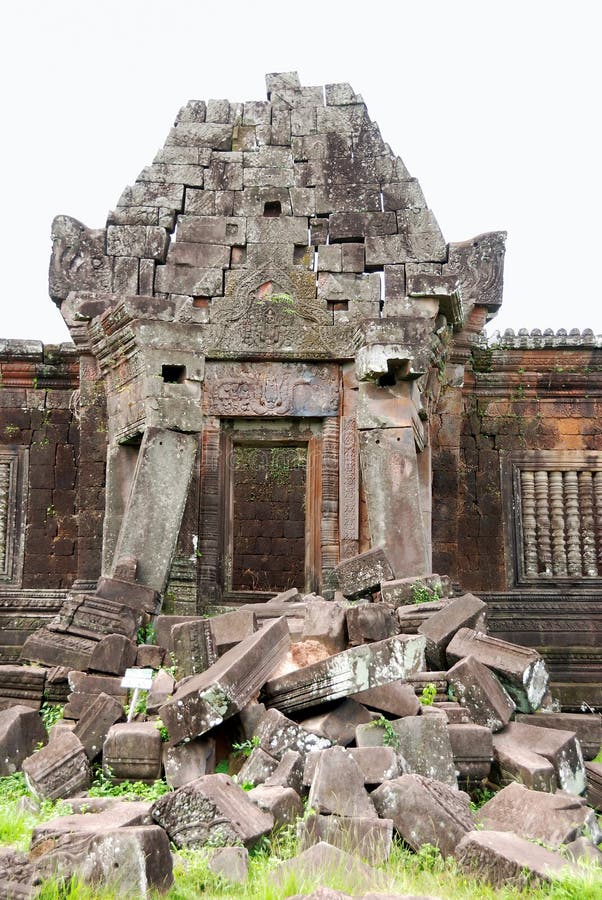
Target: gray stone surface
[[422, 742], [552, 819], [323, 859], [257, 767], [503, 859], [353, 670], [377, 764], [339, 724], [212, 809], [472, 749], [368, 838], [337, 786], [369, 622], [206, 700], [132, 752], [187, 762], [397, 699], [283, 803], [230, 863], [425, 811], [480, 692], [522, 671], [58, 770], [587, 727], [325, 622], [113, 655], [467, 611], [94, 723], [277, 735], [364, 573], [560, 748], [21, 730]]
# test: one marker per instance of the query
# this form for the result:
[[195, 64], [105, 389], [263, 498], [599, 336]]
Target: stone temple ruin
[[276, 421]]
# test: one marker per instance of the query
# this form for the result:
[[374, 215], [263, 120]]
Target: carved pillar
[[394, 497], [209, 536], [330, 498], [152, 519], [90, 472]]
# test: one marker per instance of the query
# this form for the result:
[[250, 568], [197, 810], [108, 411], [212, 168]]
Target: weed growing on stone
[[423, 594], [102, 786], [390, 736], [246, 747], [51, 713], [429, 692]]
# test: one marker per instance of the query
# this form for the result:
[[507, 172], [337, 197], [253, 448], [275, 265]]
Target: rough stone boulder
[[501, 858], [21, 730], [212, 809], [425, 811]]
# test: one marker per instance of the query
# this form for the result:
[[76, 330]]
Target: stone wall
[[37, 425]]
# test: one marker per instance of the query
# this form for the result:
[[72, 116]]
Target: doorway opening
[[269, 487]]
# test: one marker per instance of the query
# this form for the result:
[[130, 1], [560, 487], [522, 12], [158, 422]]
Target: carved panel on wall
[[13, 481], [270, 389], [554, 515]]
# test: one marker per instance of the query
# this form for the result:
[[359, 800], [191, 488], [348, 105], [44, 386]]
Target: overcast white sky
[[494, 107]]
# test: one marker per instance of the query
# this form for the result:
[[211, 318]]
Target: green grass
[[425, 873]]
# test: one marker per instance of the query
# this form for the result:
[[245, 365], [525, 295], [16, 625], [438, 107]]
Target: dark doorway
[[268, 517]]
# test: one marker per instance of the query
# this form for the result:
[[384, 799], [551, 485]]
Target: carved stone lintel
[[78, 260], [479, 266]]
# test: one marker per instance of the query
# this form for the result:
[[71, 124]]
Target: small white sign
[[140, 679]]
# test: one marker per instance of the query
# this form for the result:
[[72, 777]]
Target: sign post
[[139, 680]]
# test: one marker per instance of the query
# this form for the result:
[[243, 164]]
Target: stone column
[[152, 518]]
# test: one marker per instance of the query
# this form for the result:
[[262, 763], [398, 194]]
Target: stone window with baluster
[[13, 481], [554, 515]]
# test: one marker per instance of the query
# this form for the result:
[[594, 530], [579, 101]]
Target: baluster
[[571, 506], [4, 500], [588, 525], [542, 519], [598, 518], [527, 491], [557, 521]]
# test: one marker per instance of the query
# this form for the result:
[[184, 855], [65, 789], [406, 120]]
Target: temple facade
[[278, 364]]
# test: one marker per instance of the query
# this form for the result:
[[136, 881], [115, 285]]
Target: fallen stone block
[[86, 688], [419, 680], [560, 748], [163, 686], [212, 809], [338, 788], [128, 592], [421, 742], [322, 860], [283, 803], [113, 655], [369, 622], [95, 722], [19, 877], [187, 762], [58, 770], [522, 671], [505, 860], [21, 686], [230, 863], [231, 628], [225, 688], [412, 616], [425, 811], [150, 656], [290, 596], [582, 849], [93, 617], [163, 626], [56, 685], [376, 763], [132, 752], [132, 859], [462, 612], [364, 573], [288, 772], [593, 772], [587, 727], [339, 724], [120, 814], [415, 590], [353, 670], [325, 622], [397, 699], [257, 768], [193, 648], [370, 838], [455, 714], [21, 730], [277, 734], [514, 762], [479, 691], [52, 648], [472, 748], [552, 819]]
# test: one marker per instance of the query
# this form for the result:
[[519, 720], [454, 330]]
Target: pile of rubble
[[382, 709]]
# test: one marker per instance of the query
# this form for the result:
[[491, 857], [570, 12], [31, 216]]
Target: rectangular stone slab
[[364, 573], [461, 612], [54, 649], [587, 727], [522, 671], [225, 688], [353, 670], [22, 685]]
